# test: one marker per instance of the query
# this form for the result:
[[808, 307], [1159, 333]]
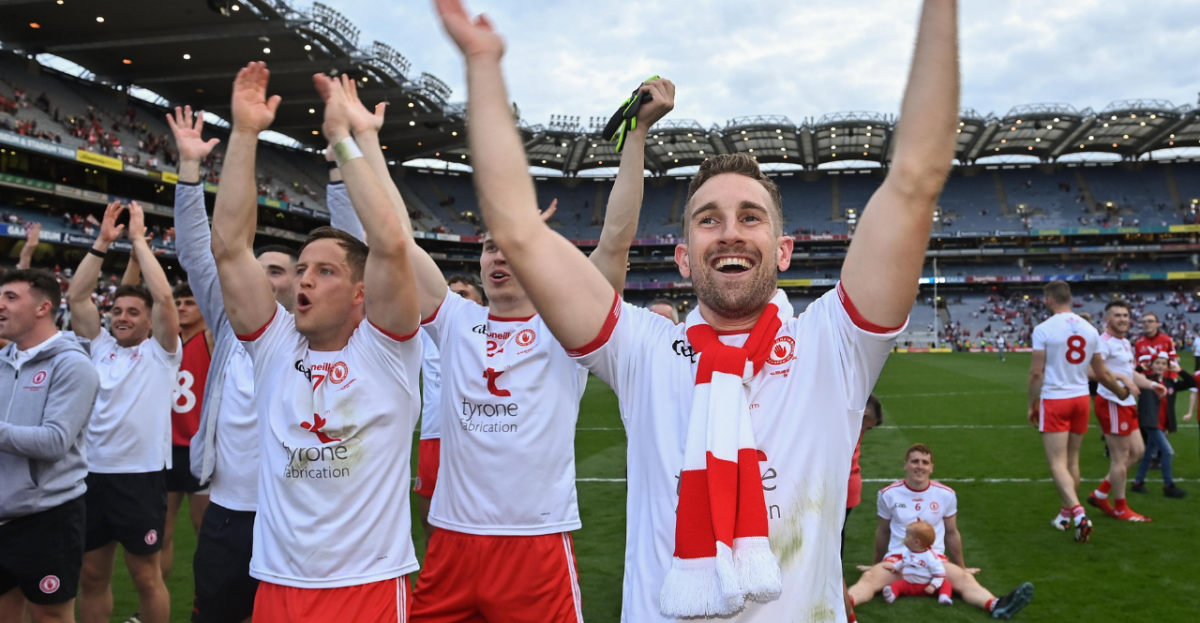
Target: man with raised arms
[[1065, 349], [336, 385], [224, 451], [739, 458], [129, 435], [505, 503]]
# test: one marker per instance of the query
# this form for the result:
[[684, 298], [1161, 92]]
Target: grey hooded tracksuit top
[[46, 404]]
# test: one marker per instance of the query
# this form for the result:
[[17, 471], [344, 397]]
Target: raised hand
[[32, 230], [252, 109], [109, 230], [663, 102], [186, 127], [361, 119], [137, 223], [336, 125], [475, 38], [549, 212]]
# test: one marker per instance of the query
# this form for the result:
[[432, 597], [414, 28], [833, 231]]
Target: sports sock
[[851, 618], [991, 604], [1102, 491], [1121, 506], [1065, 514], [1078, 513]]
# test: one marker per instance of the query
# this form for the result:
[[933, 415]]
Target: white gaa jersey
[[1069, 342], [234, 482], [510, 401], [903, 506], [130, 428], [431, 388], [806, 406], [921, 567], [335, 431], [1119, 357]]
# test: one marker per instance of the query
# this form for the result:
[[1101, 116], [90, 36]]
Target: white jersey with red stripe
[[431, 388], [510, 401], [1118, 356], [806, 407], [902, 506], [335, 429], [1069, 342], [922, 567]]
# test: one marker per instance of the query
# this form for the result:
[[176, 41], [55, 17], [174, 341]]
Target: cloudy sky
[[805, 58]]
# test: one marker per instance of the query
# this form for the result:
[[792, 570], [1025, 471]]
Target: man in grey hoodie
[[47, 391]]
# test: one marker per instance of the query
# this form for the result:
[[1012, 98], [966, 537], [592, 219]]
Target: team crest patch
[[783, 351], [1124, 426], [38, 379], [151, 537], [49, 584], [526, 337], [933, 506]]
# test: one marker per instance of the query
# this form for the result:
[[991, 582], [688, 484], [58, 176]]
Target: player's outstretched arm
[[1105, 377], [164, 318], [193, 239], [32, 238], [884, 261], [249, 303], [570, 294], [85, 318], [365, 125], [611, 255], [391, 294]]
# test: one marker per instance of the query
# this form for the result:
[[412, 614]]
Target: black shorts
[[224, 589], [130, 509], [42, 553], [179, 477]]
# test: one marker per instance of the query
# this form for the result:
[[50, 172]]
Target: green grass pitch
[[1128, 573]]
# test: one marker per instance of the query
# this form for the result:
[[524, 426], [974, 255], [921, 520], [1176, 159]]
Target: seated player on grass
[[919, 498]]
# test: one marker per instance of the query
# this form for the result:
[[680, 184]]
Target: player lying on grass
[[510, 401], [337, 385], [1118, 416], [919, 498], [713, 538], [1065, 352]]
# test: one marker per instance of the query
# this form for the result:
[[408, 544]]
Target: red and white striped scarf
[[722, 550]]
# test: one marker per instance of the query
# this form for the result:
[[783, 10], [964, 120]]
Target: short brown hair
[[919, 447], [136, 291], [182, 291], [1058, 291], [740, 164], [41, 282], [1151, 314], [1116, 303], [875, 408], [356, 250]]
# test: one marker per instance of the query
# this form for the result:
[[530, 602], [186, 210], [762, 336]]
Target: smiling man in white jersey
[[336, 385], [224, 451], [505, 499], [754, 528], [1118, 416], [129, 435], [919, 498], [1065, 351]]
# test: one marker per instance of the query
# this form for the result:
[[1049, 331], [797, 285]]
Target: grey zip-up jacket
[[47, 403], [193, 245]]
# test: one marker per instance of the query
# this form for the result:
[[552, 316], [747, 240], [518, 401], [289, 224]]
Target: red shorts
[[385, 601], [1064, 415], [471, 578], [1116, 419], [429, 458]]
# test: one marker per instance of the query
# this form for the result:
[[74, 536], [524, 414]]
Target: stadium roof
[[189, 52]]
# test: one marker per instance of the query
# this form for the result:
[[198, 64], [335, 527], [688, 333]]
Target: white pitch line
[[1013, 391]]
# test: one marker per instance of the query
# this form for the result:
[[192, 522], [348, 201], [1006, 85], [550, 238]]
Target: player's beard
[[735, 300]]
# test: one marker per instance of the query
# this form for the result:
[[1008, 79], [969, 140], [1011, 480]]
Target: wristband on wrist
[[98, 254], [346, 150]]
